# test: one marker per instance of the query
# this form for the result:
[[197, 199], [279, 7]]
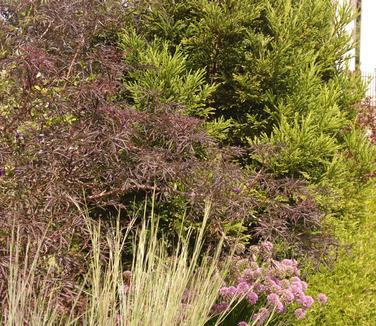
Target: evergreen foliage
[[283, 88]]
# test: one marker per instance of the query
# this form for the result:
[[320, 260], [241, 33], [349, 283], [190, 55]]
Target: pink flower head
[[261, 316], [296, 289], [275, 301], [307, 301], [280, 307], [228, 292], [300, 313], [248, 275], [219, 308], [296, 285], [299, 298], [243, 323], [259, 288], [322, 298], [281, 270], [257, 273], [285, 284], [253, 272], [289, 262], [223, 291], [266, 248], [243, 288], [288, 296], [290, 267], [267, 245], [241, 279], [273, 285], [295, 279], [252, 298]]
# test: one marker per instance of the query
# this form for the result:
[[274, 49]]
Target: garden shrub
[[246, 103]]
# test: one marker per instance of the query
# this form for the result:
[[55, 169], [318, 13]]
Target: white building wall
[[368, 37], [367, 43]]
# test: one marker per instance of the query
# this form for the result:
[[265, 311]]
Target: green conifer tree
[[277, 79]]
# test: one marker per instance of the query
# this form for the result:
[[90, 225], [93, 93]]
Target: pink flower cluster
[[268, 286]]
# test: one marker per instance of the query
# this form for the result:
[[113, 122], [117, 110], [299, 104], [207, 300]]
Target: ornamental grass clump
[[161, 288], [264, 290]]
